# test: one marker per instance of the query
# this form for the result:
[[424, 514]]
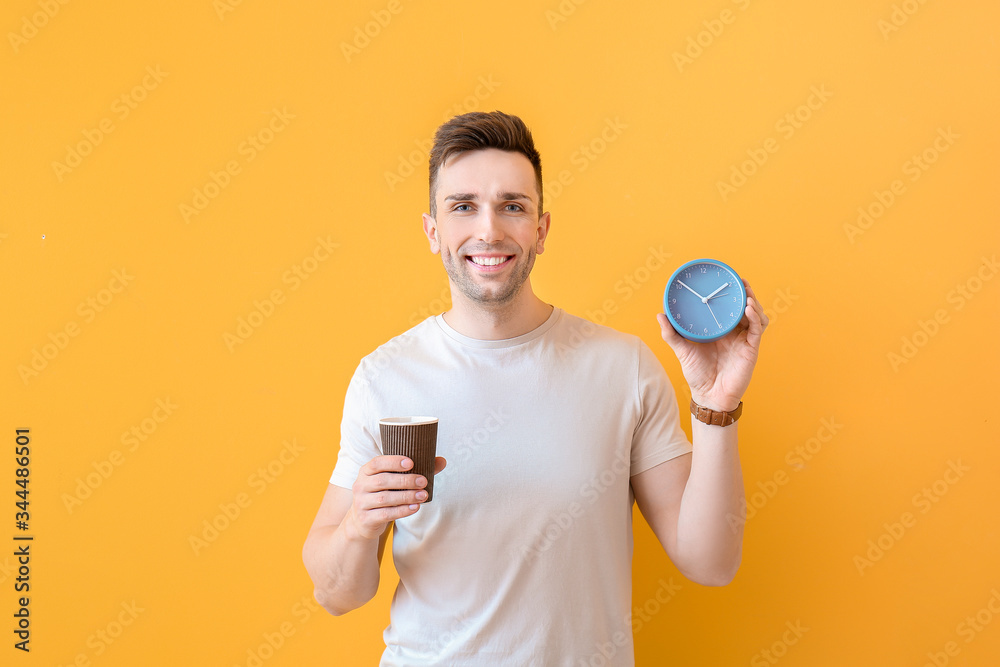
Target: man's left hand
[[718, 372]]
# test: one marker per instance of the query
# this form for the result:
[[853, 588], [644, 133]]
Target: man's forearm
[[709, 530], [343, 566]]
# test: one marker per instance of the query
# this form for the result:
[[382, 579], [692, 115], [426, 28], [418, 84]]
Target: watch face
[[704, 300]]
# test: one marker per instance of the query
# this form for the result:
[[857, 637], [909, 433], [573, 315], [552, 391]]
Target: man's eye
[[463, 207], [515, 207]]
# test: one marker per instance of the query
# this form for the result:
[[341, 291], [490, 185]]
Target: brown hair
[[477, 131]]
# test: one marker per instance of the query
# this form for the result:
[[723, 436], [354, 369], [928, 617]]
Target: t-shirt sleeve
[[358, 444], [658, 436]]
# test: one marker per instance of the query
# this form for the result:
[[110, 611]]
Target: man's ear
[[542, 232], [430, 229]]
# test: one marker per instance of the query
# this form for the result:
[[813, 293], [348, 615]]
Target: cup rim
[[407, 421]]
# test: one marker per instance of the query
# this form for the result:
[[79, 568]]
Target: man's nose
[[490, 228]]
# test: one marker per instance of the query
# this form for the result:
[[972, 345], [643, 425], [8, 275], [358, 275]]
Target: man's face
[[487, 226]]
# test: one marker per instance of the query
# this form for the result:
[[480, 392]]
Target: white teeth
[[488, 261]]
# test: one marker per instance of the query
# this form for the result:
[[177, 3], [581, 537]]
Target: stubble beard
[[491, 295]]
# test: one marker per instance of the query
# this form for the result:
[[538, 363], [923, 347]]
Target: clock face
[[704, 300]]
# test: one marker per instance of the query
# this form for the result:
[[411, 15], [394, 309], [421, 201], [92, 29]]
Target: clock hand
[[716, 296], [692, 291], [724, 286], [713, 314]]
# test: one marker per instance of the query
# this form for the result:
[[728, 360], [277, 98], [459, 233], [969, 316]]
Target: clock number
[[704, 269], [674, 300], [736, 300], [731, 315], [705, 329]]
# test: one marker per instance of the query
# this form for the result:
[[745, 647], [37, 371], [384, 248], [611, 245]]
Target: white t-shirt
[[524, 556]]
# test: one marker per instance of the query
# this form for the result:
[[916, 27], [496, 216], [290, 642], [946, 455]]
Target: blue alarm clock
[[704, 300]]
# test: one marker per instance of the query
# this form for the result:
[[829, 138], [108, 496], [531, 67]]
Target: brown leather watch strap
[[713, 417]]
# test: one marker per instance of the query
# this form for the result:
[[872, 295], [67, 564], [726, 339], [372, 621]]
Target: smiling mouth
[[490, 261]]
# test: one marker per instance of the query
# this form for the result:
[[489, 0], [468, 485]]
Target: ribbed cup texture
[[416, 441]]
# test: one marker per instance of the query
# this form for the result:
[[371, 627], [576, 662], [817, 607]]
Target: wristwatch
[[715, 417]]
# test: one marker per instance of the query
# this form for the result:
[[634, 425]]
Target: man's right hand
[[343, 551], [382, 495]]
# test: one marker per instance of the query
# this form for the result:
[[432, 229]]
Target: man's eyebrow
[[471, 196], [507, 196], [461, 196]]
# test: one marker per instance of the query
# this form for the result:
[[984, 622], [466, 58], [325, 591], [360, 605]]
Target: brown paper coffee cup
[[413, 437]]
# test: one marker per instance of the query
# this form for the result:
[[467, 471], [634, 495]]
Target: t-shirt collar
[[505, 342]]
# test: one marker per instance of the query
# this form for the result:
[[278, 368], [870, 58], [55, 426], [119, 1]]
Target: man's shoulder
[[409, 342], [581, 333]]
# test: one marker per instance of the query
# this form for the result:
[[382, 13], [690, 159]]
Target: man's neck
[[525, 313]]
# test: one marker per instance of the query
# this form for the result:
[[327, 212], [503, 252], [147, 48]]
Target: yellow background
[[339, 169]]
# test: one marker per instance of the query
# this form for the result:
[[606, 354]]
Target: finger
[[394, 480], [756, 324], [751, 294], [368, 502], [387, 489], [439, 464], [387, 463], [754, 302], [372, 523], [669, 334], [764, 319]]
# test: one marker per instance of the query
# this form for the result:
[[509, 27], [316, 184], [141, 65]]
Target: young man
[[550, 427]]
